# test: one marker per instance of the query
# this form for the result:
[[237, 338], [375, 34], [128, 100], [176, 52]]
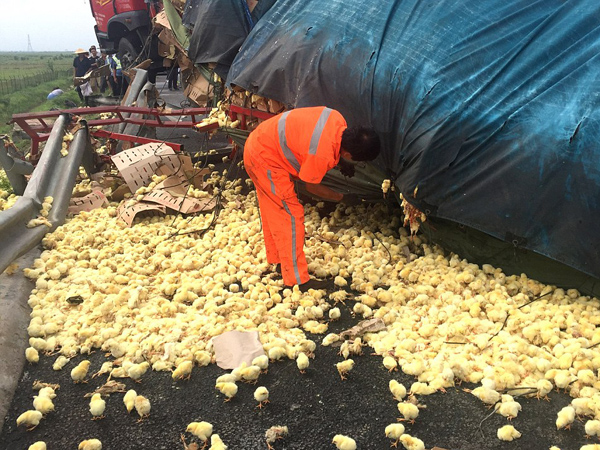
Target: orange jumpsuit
[[303, 143]]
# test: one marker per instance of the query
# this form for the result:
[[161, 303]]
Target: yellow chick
[[106, 367], [183, 371], [261, 395], [97, 406], [60, 362], [227, 389], [202, 430], [509, 408], [543, 389], [302, 362], [592, 428], [32, 355], [390, 363], [394, 431], [137, 371], [565, 418], [261, 361], [216, 443], [397, 389], [129, 399], [508, 433], [39, 445], [334, 313], [344, 442], [30, 419], [250, 374], [344, 367], [419, 388], [142, 406], [80, 371], [274, 433], [47, 392], [409, 411], [90, 444], [586, 447], [43, 404], [486, 395], [227, 378], [411, 443]]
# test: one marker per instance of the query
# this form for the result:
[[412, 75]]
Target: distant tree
[[16, 58]]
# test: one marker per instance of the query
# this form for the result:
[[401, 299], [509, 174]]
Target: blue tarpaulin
[[489, 111]]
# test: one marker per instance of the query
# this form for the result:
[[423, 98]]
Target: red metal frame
[[244, 113], [40, 132]]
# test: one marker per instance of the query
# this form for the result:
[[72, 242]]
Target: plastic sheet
[[489, 111]]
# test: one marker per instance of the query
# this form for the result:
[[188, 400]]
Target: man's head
[[93, 50], [360, 144]]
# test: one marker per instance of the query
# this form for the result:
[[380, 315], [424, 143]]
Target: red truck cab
[[124, 25]]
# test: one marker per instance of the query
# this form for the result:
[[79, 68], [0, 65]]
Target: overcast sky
[[53, 25]]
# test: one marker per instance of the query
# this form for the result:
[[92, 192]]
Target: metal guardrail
[[15, 169], [54, 176]]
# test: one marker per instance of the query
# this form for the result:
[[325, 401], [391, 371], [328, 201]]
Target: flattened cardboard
[[138, 164], [233, 348], [184, 205], [127, 212], [95, 199]]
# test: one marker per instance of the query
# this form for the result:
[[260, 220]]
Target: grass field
[[17, 64]]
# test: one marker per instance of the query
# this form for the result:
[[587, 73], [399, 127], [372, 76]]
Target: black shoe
[[314, 284]]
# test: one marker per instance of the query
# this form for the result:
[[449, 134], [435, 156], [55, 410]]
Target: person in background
[[55, 93], [116, 74], [173, 75], [104, 80], [81, 65], [94, 57], [301, 144]]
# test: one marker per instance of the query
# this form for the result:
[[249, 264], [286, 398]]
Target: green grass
[[20, 64]]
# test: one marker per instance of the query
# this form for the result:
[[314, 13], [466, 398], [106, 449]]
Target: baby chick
[[390, 363], [43, 404], [47, 392], [97, 406], [344, 367], [30, 419], [302, 362], [543, 389], [412, 443], [250, 374], [142, 406], [183, 370], [227, 389], [334, 313], [394, 431], [261, 361], [106, 367], [486, 395], [409, 411], [397, 389], [344, 442], [32, 355], [592, 428], [202, 430], [216, 443], [80, 371], [129, 399], [565, 418], [508, 433], [90, 444], [39, 445], [60, 362], [274, 433], [261, 395], [508, 408], [137, 371]]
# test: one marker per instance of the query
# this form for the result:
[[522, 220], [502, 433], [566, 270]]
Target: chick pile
[[219, 115], [42, 218], [6, 199], [159, 292]]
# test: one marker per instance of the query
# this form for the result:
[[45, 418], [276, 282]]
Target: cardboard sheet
[[198, 89], [95, 199], [138, 164], [127, 212], [183, 205], [236, 347]]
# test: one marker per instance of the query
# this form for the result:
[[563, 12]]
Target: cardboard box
[[197, 88]]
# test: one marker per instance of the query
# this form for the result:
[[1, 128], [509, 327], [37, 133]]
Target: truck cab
[[124, 25]]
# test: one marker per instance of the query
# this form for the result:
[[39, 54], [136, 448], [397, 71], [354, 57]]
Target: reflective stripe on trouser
[[282, 218]]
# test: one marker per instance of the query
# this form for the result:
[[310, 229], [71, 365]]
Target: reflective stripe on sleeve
[[319, 127], [283, 142]]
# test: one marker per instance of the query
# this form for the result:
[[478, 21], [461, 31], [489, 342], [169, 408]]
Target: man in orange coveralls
[[304, 144]]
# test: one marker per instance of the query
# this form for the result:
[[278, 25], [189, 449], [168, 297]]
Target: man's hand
[[351, 200]]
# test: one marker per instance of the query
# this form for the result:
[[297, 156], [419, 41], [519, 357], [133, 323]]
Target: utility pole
[[29, 47]]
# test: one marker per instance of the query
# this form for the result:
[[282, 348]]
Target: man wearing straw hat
[[81, 65]]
